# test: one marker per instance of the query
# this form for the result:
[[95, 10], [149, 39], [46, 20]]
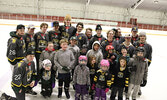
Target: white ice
[[156, 88]]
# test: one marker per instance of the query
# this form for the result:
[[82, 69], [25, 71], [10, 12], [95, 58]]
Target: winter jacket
[[96, 38], [148, 49], [29, 41], [15, 48], [46, 54], [24, 73], [64, 59], [41, 40], [81, 75], [55, 37], [102, 79], [76, 52], [140, 74], [98, 54], [134, 39]]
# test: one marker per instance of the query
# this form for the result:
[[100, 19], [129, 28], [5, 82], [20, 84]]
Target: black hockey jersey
[[24, 73], [29, 41], [55, 37], [102, 79], [96, 38], [121, 76], [41, 40], [15, 49]]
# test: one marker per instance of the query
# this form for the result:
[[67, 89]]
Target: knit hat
[[30, 52], [55, 23], [20, 26], [98, 27], [104, 62], [142, 34]]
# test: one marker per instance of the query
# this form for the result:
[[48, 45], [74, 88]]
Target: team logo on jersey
[[120, 74], [12, 52], [80, 38], [38, 37], [31, 45], [46, 75], [29, 74], [28, 39], [102, 78]]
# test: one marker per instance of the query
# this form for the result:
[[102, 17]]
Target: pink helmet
[[104, 62], [82, 58]]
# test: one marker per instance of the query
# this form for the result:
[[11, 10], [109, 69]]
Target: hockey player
[[102, 81], [41, 39], [98, 37], [117, 36], [81, 79], [93, 67], [24, 75], [139, 69], [67, 23], [143, 43], [47, 78], [48, 53], [121, 79], [128, 45], [64, 60], [29, 37], [88, 33], [82, 38], [109, 41], [134, 32], [95, 51], [55, 35], [16, 46]]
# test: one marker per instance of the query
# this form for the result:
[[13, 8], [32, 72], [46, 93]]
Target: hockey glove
[[65, 69], [144, 83], [106, 90]]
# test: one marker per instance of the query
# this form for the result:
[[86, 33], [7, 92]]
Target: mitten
[[144, 83]]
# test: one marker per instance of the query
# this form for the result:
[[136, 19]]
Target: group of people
[[93, 64]]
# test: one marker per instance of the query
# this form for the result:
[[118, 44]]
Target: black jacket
[[15, 49]]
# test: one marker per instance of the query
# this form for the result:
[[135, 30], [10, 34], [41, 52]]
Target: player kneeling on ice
[[24, 75], [139, 68], [121, 79], [102, 81], [81, 79], [47, 78]]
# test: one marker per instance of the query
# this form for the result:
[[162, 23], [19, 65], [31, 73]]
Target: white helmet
[[47, 63]]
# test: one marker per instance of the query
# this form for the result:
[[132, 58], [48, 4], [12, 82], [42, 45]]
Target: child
[[93, 67], [64, 60], [124, 53], [95, 51], [121, 79], [47, 79], [102, 81], [139, 69], [81, 79]]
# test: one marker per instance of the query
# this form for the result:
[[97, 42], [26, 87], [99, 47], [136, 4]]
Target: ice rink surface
[[156, 88]]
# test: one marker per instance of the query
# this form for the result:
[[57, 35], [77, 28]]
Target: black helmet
[[140, 49]]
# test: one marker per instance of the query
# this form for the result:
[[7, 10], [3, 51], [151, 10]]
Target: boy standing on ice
[[64, 60]]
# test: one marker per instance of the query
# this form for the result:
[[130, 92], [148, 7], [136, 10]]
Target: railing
[[30, 17]]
